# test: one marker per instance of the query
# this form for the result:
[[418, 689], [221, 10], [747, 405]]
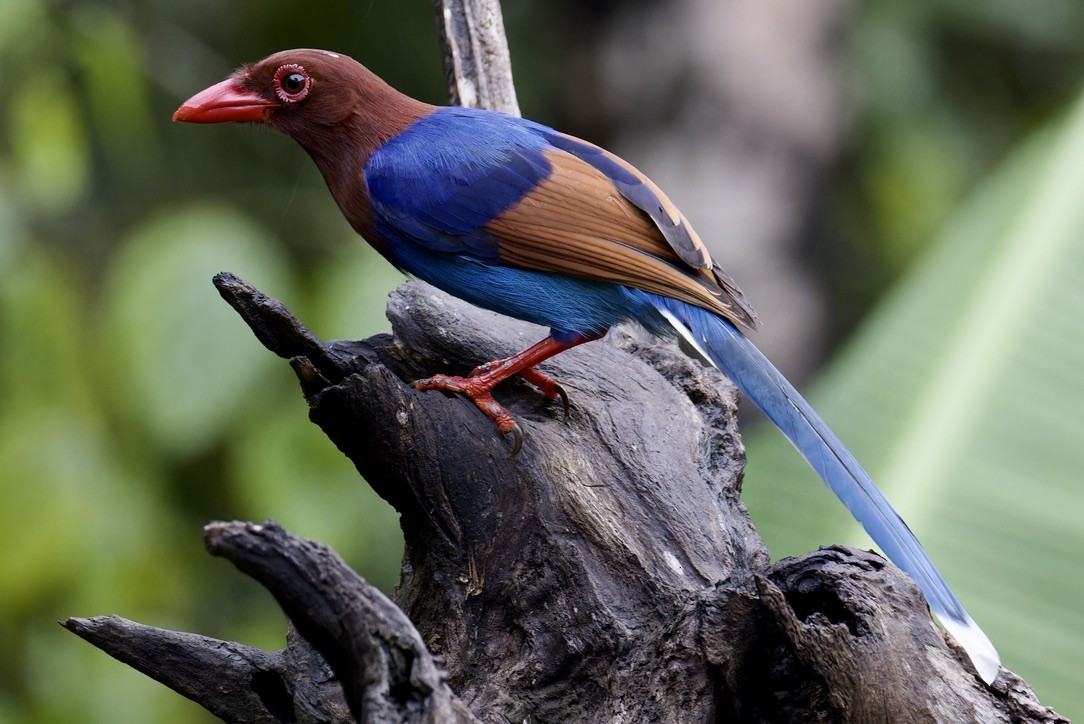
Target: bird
[[516, 217]]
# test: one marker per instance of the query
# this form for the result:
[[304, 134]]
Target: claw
[[548, 386], [517, 439], [564, 398]]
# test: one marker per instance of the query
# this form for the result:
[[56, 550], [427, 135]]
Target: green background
[[135, 407]]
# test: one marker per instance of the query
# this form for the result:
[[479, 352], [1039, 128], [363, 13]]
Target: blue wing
[[443, 179], [506, 191]]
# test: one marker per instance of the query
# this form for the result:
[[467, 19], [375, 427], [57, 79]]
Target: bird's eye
[[292, 83]]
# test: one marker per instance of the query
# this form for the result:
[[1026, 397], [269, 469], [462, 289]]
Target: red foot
[[479, 386], [550, 388], [481, 393]]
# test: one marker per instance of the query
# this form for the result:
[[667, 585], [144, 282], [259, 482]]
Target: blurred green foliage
[[134, 405], [962, 391], [944, 91], [962, 395]]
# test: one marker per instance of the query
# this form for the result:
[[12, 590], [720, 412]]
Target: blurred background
[[898, 186]]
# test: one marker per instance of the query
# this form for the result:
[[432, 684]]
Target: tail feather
[[720, 343]]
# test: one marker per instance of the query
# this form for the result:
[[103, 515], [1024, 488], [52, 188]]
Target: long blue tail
[[728, 349]]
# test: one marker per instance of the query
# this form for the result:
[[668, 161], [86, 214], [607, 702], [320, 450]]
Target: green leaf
[[352, 292], [284, 467], [19, 19], [42, 333], [181, 362], [963, 394], [48, 140], [13, 235], [115, 80]]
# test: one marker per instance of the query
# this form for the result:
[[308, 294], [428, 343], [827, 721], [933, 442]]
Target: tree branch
[[617, 536], [610, 567], [232, 681], [386, 671], [475, 51], [380, 670]]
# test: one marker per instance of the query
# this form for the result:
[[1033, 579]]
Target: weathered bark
[[476, 61], [234, 682], [609, 572], [380, 669]]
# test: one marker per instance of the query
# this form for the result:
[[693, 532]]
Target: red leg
[[479, 386]]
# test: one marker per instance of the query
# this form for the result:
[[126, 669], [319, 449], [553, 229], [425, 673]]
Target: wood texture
[[607, 573], [380, 670], [475, 51]]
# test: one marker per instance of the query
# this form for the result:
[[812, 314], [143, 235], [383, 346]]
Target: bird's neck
[[341, 151]]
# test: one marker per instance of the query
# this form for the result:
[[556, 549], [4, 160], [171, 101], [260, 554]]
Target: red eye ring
[[292, 83]]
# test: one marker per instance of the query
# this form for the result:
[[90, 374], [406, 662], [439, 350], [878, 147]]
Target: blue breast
[[568, 306]]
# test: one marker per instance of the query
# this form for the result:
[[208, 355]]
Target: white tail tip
[[982, 653]]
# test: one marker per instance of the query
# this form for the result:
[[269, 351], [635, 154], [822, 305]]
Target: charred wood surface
[[609, 572]]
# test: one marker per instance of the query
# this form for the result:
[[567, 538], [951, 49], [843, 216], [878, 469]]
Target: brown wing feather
[[575, 222]]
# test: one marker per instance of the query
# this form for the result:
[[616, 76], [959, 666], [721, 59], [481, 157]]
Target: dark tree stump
[[609, 572]]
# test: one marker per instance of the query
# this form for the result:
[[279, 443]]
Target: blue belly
[[567, 305]]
